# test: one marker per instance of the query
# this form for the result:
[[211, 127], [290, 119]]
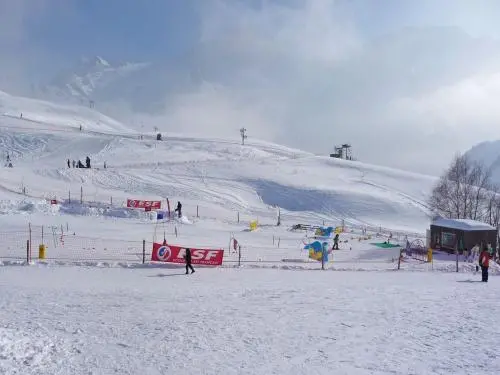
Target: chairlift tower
[[243, 135], [342, 152], [347, 151]]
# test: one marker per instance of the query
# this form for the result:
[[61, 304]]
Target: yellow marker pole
[[41, 251]]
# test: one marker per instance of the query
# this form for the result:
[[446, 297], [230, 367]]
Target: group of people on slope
[[79, 164]]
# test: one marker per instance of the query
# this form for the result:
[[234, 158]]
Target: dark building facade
[[465, 234]]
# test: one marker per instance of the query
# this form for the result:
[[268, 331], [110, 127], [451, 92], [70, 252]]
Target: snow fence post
[[81, 194], [197, 212], [69, 196], [27, 251], [456, 253], [399, 259], [143, 251], [239, 255], [238, 217]]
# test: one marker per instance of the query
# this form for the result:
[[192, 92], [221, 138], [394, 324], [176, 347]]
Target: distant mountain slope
[[43, 114], [487, 153]]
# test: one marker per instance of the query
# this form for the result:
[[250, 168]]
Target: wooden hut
[[462, 233]]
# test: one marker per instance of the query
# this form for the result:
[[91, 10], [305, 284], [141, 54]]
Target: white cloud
[[399, 104], [468, 110], [306, 73]]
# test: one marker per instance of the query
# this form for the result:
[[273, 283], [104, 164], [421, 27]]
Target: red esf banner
[[175, 254], [133, 203]]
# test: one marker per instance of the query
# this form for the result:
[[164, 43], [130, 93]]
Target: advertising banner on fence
[[175, 254], [151, 205]]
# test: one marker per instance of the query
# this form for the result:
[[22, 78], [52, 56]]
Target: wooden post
[[279, 240], [238, 217], [69, 196], [273, 239], [399, 259], [42, 234], [143, 251], [27, 251], [239, 255], [176, 231], [81, 194], [456, 253], [111, 200], [197, 211]]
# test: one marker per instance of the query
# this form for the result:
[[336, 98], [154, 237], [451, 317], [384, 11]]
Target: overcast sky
[[306, 73]]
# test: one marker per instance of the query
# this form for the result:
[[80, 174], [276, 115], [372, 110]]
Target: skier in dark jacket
[[484, 262], [87, 162], [336, 242], [187, 257], [179, 209], [69, 164]]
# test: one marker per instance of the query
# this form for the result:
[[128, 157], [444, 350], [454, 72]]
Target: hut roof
[[462, 224]]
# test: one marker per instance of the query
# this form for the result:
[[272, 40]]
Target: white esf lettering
[[198, 254], [211, 254]]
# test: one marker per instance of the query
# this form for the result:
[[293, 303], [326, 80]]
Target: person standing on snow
[[69, 164], [179, 209], [484, 263], [336, 242], [187, 257]]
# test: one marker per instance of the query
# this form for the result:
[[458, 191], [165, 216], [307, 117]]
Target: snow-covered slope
[[38, 114], [220, 176], [152, 318]]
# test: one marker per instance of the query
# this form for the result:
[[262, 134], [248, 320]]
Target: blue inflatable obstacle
[[317, 250], [324, 232]]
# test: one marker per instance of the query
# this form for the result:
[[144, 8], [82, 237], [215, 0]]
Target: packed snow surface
[[66, 320]]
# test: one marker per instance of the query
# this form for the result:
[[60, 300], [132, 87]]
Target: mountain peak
[[96, 61]]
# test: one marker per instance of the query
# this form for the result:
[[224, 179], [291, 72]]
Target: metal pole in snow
[[30, 241]]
